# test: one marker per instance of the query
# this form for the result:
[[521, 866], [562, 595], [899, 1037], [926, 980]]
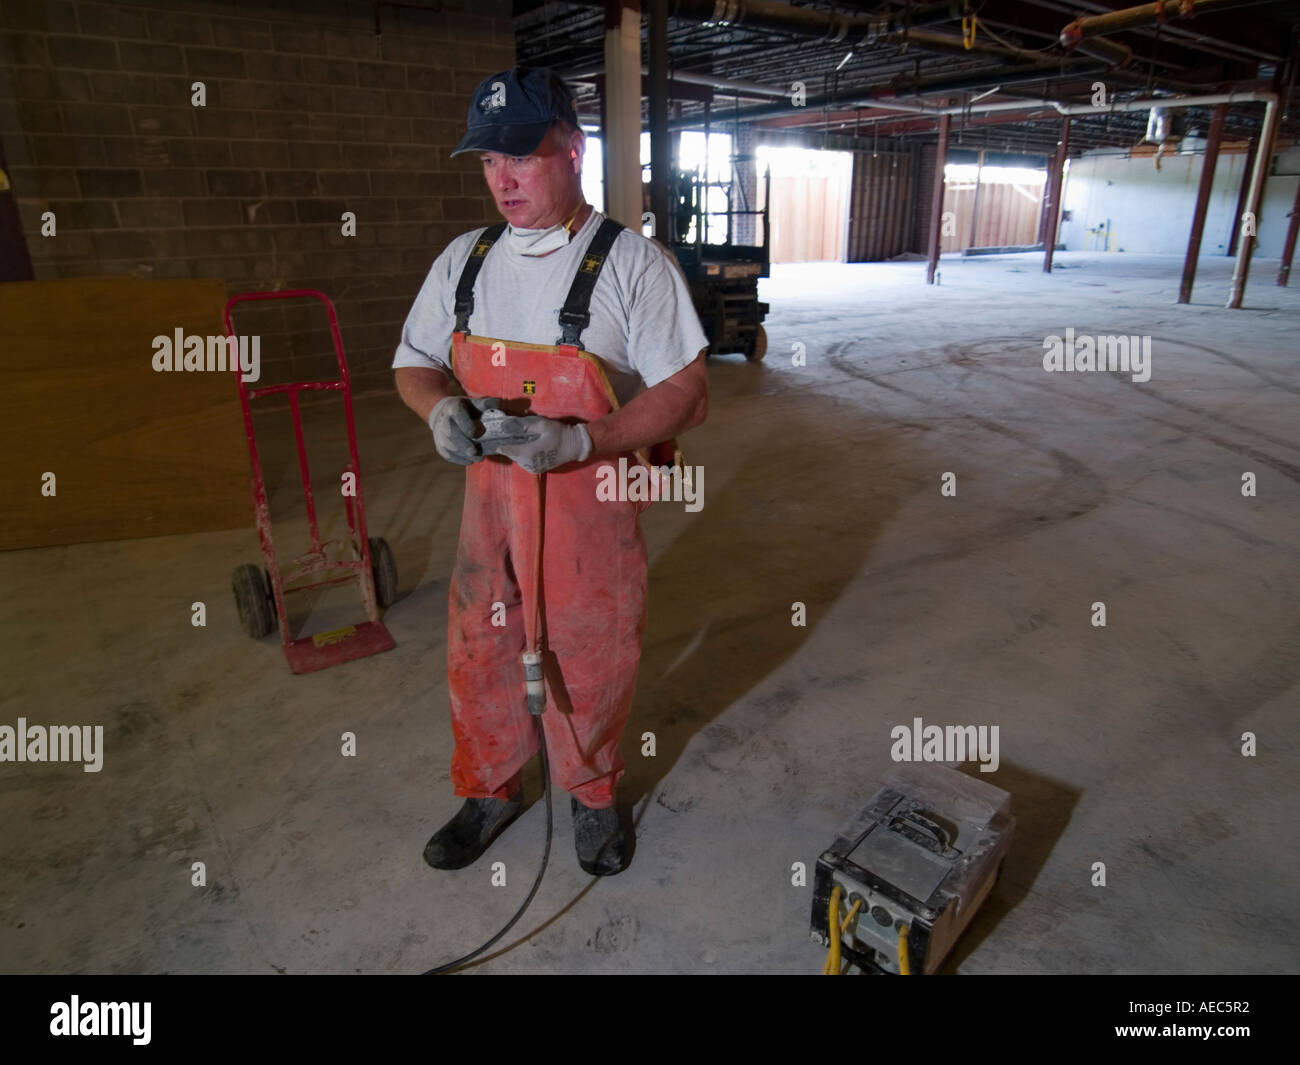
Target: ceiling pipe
[[737, 86], [947, 42], [1029, 107], [1182, 34], [806, 22], [1116, 54], [885, 96], [1143, 15], [1008, 75], [1270, 99], [1173, 102], [727, 86], [898, 26]]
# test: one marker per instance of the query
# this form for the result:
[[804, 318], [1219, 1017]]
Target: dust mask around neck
[[542, 241]]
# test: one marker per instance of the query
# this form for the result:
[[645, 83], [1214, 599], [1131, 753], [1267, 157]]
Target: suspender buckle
[[571, 326]]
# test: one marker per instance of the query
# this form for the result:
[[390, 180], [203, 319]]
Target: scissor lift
[[723, 277]]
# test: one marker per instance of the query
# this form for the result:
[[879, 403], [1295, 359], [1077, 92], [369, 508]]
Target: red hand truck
[[260, 594]]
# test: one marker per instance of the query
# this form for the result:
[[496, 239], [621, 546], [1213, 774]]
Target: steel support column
[[622, 132], [1288, 249], [1055, 186], [936, 198], [1202, 201], [975, 204], [660, 145], [1258, 174]]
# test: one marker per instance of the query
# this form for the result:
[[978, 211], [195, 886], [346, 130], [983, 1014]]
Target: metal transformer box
[[924, 853]]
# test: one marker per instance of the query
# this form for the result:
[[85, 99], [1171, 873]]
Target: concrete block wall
[[309, 114]]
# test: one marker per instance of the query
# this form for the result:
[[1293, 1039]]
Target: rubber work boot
[[467, 835], [602, 844]]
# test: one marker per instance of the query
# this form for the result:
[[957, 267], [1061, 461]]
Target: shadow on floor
[[721, 597], [1042, 809]]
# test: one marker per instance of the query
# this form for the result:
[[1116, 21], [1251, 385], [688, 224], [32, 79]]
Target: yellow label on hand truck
[[322, 639]]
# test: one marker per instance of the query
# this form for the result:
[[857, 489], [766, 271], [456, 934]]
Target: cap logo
[[495, 100]]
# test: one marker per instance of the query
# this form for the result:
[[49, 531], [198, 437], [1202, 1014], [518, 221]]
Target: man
[[524, 306]]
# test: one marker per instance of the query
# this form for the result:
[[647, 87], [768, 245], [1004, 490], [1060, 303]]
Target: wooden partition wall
[[134, 452]]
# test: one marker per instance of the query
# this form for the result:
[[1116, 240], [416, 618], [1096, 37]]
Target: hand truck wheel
[[253, 600], [384, 567]]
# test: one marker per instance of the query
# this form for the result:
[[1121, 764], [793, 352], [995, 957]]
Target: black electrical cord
[[546, 855]]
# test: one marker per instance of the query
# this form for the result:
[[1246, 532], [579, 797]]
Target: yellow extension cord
[[837, 928]]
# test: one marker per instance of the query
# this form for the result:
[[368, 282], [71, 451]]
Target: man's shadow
[[793, 525]]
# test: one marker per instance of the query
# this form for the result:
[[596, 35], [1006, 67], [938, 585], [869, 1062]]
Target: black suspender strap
[[574, 318], [465, 287]]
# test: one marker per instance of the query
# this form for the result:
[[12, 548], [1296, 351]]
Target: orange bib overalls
[[592, 561]]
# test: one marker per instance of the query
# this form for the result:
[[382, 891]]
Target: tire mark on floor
[[1287, 469], [963, 358], [1078, 490]]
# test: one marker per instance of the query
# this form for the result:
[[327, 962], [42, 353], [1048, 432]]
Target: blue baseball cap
[[510, 112]]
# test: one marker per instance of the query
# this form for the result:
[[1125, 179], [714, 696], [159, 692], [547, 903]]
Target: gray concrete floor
[[1118, 744]]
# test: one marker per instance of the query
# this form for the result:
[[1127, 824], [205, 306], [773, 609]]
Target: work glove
[[537, 444], [455, 424]]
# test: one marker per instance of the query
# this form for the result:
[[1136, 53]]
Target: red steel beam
[[1202, 201], [1288, 249], [1056, 181], [936, 198]]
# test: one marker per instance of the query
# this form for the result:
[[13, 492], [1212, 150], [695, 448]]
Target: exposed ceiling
[[916, 56]]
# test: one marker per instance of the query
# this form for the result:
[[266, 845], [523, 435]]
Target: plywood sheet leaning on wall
[[134, 452]]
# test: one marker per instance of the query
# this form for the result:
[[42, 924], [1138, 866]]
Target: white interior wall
[[1150, 210]]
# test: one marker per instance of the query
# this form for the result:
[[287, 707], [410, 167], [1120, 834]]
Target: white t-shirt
[[643, 324]]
